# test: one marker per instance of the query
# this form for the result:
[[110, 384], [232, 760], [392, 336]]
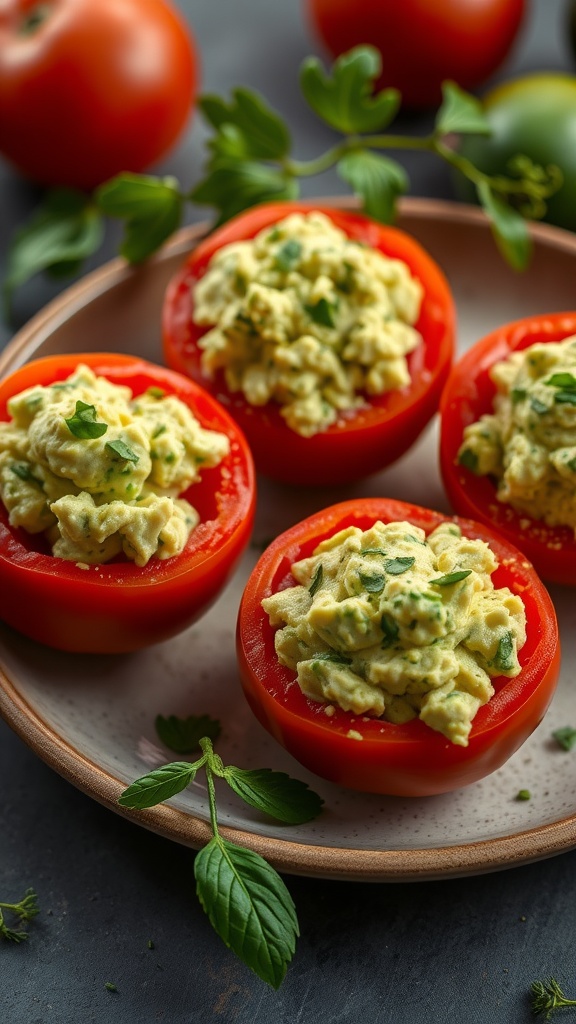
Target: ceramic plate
[[92, 718]]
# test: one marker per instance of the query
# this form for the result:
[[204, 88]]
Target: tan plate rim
[[288, 856]]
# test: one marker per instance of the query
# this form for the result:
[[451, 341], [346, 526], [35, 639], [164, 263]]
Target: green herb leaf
[[547, 997], [504, 658], [62, 232], [24, 910], [183, 735], [565, 737], [523, 794], [151, 208], [390, 629], [83, 423], [316, 580], [518, 395], [248, 906], [566, 381], [232, 186], [288, 255], [468, 459], [23, 470], [451, 577], [275, 793], [376, 180], [334, 656], [538, 407], [460, 112], [159, 785], [121, 449], [322, 313], [345, 99], [565, 398], [373, 584], [247, 127], [396, 566], [509, 228]]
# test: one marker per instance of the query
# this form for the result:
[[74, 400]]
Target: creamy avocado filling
[[305, 317], [396, 624], [99, 471], [528, 442]]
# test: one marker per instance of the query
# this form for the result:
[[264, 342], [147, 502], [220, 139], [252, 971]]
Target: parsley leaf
[[83, 423], [23, 911], [322, 312], [120, 448], [565, 737], [345, 99], [509, 228], [460, 112], [183, 735], [396, 566]]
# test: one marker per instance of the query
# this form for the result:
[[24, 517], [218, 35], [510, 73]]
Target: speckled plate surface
[[92, 718]]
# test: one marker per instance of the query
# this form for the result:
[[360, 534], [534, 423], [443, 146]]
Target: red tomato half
[[468, 395], [119, 606], [90, 88], [402, 760], [363, 441], [422, 42]]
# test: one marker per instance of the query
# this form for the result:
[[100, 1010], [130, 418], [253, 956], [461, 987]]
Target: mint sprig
[[246, 901], [249, 161]]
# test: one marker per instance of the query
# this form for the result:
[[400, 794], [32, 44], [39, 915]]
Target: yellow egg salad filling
[[528, 443], [396, 624], [305, 317], [99, 471]]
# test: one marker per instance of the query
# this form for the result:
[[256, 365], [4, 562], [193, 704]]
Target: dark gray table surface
[[451, 951]]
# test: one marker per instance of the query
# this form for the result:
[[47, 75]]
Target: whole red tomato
[[120, 606], [422, 42], [469, 393], [401, 760], [90, 88], [365, 440]]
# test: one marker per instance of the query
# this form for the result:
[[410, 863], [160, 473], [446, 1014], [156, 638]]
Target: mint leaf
[[376, 180], [63, 231], [183, 735], [451, 577], [345, 99], [83, 423], [150, 207], [159, 785], [248, 906], [247, 127], [460, 112], [121, 449], [509, 228], [396, 566], [275, 793], [232, 186]]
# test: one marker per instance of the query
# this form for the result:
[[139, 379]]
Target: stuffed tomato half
[[127, 499], [328, 336], [394, 650], [508, 439]]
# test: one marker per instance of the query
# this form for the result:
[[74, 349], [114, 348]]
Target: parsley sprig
[[547, 997], [250, 161], [246, 901], [23, 911]]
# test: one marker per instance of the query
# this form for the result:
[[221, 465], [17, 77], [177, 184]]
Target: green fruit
[[534, 115]]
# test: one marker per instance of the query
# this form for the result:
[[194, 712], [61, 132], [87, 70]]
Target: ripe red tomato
[[371, 437], [401, 760], [89, 89], [119, 606], [422, 42], [468, 395]]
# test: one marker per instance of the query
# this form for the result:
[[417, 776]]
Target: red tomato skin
[[468, 394], [120, 607], [422, 42], [95, 89], [398, 760], [362, 442]]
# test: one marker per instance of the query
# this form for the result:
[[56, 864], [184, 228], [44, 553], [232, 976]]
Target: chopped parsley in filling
[[99, 471], [303, 316], [396, 624]]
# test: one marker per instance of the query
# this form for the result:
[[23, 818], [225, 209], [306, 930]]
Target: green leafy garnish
[[245, 899], [504, 658], [538, 407], [451, 577], [566, 381], [83, 424], [121, 449], [288, 255], [183, 735], [468, 459], [396, 566], [565, 737], [316, 581], [373, 584], [23, 470], [547, 997], [322, 313], [523, 794], [334, 656], [390, 629], [23, 911], [249, 161]]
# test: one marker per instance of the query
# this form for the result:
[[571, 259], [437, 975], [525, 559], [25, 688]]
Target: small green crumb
[[523, 794], [110, 986], [150, 944]]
